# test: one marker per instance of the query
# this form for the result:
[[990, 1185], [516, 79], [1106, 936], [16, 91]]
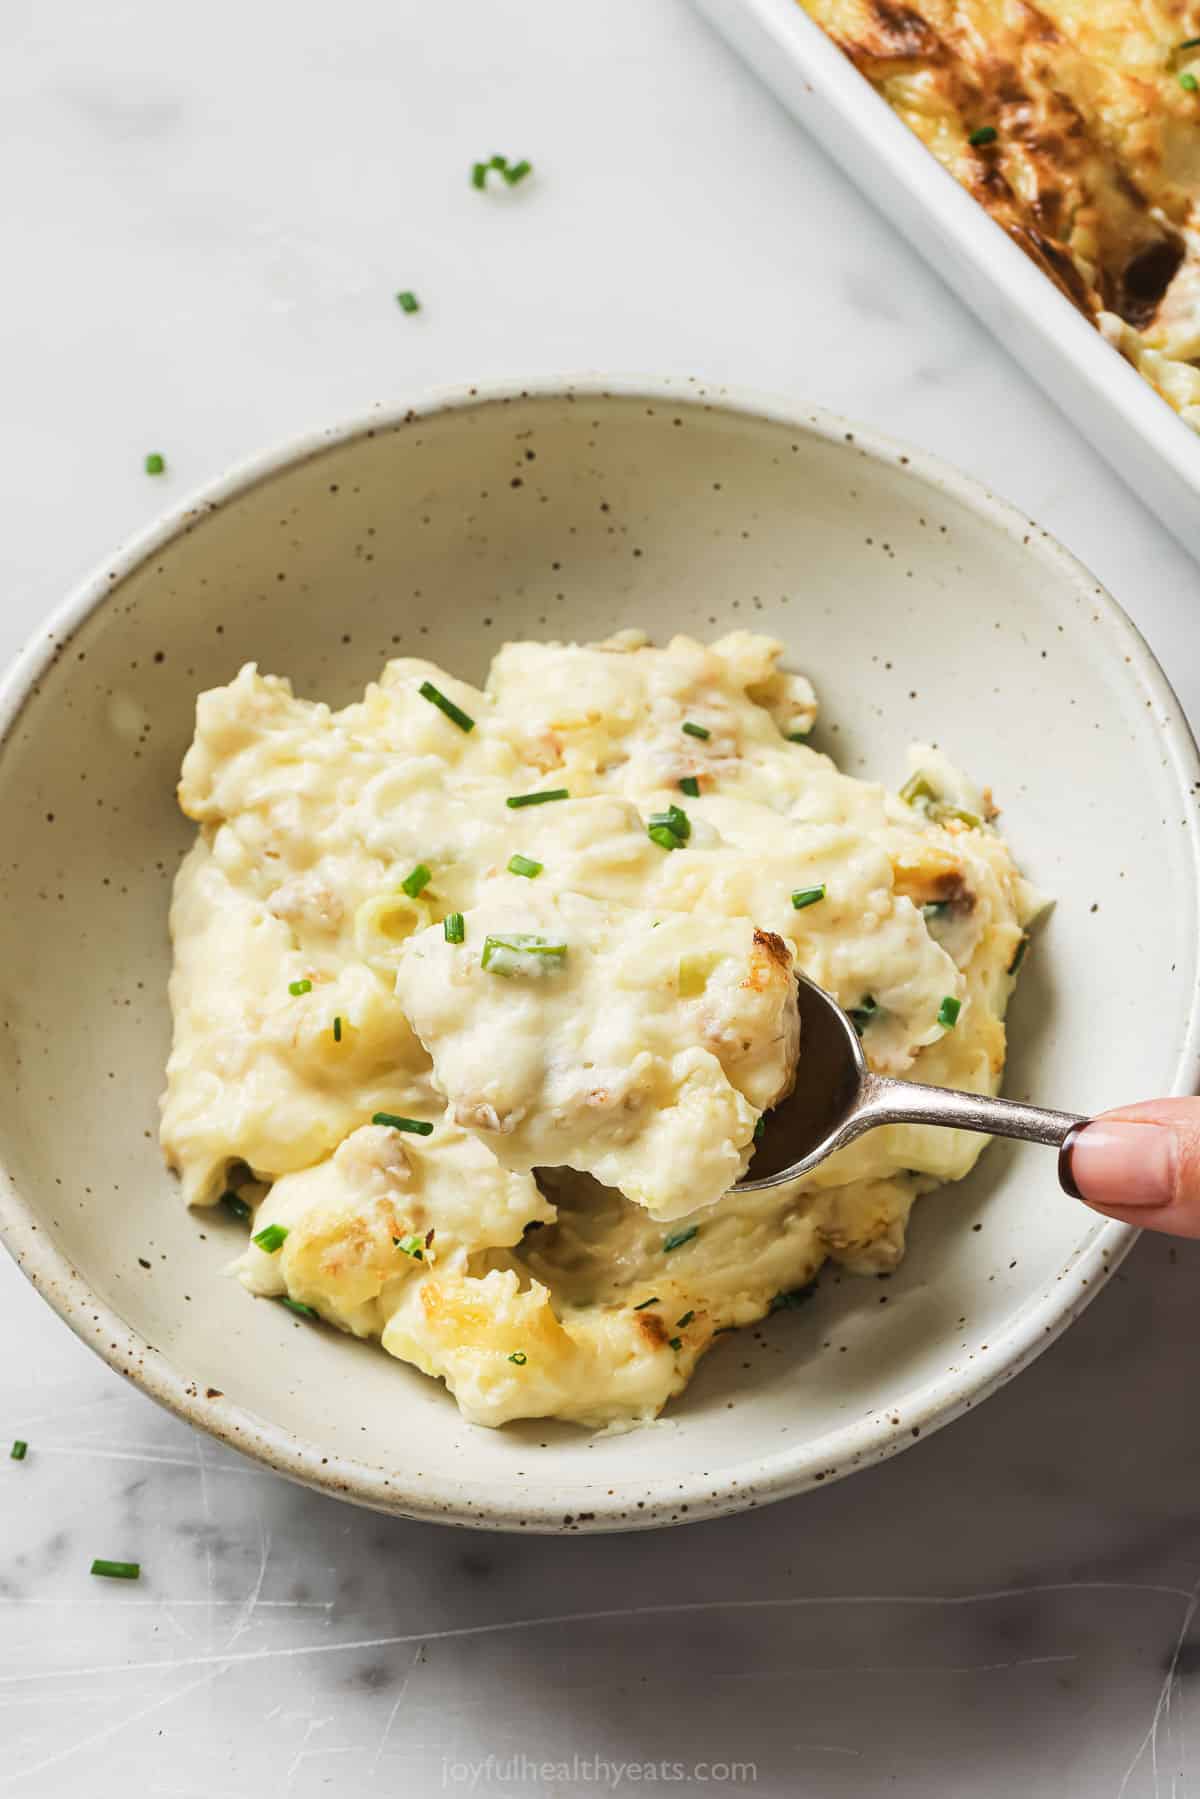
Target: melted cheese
[[1094, 166], [625, 1053]]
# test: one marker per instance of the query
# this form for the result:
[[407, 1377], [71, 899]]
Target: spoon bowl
[[836, 1098]]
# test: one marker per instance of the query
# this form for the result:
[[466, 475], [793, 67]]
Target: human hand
[[1140, 1164]]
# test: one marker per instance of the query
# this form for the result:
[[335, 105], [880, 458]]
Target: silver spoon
[[837, 1098]]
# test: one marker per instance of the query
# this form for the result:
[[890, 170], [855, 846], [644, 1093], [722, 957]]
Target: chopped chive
[[677, 1239], [793, 1300], [1018, 955], [498, 162], [1187, 81], [799, 736], [760, 1125], [694, 730], [685, 1320], [479, 174], [156, 464], [691, 786], [413, 1246], [454, 713], [454, 928], [408, 301], [337, 1029], [19, 1450], [1189, 43], [299, 987], [117, 1570], [917, 790], [518, 171], [652, 1301], [948, 1012], [986, 134], [674, 1342], [860, 1016], [297, 1306], [537, 799], [519, 1357], [233, 1202], [509, 955], [676, 820], [417, 881], [271, 1237], [664, 836], [417, 1126], [972, 820], [935, 909], [807, 896], [525, 865]]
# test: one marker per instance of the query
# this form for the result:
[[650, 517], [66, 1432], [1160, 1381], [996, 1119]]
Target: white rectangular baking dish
[[1110, 403]]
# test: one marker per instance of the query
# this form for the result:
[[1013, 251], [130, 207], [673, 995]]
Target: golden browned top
[[1095, 162]]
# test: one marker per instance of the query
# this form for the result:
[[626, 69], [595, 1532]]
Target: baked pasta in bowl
[[351, 858]]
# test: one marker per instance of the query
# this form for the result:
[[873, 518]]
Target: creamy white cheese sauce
[[624, 1011]]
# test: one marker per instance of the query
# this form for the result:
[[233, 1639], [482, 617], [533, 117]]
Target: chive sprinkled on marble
[[19, 1450], [116, 1570], [155, 464], [407, 301]]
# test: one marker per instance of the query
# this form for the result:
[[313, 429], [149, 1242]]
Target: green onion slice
[[986, 134], [156, 464], [454, 927], [271, 1237], [694, 730], [691, 786], [417, 1126], [519, 1357], [674, 1342], [116, 1570], [918, 790], [652, 1301], [948, 1012], [1187, 81], [413, 1246], [522, 953], [525, 865], [807, 896], [408, 301], [537, 799], [299, 987], [417, 881], [517, 172], [677, 1239], [664, 836], [337, 1030], [19, 1450], [454, 713], [685, 1320], [233, 1202], [297, 1306], [676, 820]]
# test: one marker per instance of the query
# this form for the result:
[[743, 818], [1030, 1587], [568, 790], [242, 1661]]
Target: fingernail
[[1119, 1165]]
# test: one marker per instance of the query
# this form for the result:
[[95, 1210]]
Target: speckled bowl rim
[[760, 1479]]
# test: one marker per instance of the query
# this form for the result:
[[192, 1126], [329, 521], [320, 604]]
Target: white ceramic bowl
[[920, 606]]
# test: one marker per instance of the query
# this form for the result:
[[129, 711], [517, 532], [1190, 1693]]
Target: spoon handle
[[908, 1102]]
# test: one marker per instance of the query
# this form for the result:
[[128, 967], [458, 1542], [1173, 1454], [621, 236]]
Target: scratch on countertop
[[1162, 1706]]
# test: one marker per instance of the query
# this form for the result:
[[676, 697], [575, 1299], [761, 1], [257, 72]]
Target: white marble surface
[[207, 212]]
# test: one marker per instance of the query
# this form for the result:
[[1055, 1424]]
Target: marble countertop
[[208, 213]]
